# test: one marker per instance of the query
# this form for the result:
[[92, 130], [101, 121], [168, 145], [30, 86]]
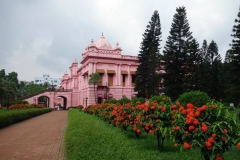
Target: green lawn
[[87, 137]]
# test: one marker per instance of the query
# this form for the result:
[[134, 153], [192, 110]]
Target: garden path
[[38, 138]]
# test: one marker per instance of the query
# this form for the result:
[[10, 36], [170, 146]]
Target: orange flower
[[175, 144], [163, 99]]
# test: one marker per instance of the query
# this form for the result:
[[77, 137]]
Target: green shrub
[[124, 100], [112, 101], [160, 98], [8, 117], [197, 98], [5, 103], [136, 99]]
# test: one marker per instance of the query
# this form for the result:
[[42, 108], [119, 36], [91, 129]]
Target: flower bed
[[209, 127]]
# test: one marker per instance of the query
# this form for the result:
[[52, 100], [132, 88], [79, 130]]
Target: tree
[[193, 69], [176, 54], [148, 72], [234, 53], [2, 74], [215, 69], [13, 77], [94, 79]]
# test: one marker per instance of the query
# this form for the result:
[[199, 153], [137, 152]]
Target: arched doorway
[[64, 102], [43, 100]]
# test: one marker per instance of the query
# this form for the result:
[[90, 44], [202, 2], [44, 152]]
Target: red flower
[[208, 144], [238, 145], [187, 145], [163, 109], [177, 128], [138, 131], [218, 157], [225, 130], [189, 105], [163, 99], [213, 107], [214, 135], [191, 128], [224, 138], [195, 122], [204, 127], [211, 140]]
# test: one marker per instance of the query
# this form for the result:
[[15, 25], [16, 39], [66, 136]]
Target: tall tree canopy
[[234, 55], [176, 54], [148, 72]]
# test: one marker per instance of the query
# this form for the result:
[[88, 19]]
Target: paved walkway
[[38, 138]]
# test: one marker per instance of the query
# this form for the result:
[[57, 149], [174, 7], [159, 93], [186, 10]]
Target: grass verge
[[89, 138]]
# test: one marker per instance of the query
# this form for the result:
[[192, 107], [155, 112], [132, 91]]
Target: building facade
[[117, 73]]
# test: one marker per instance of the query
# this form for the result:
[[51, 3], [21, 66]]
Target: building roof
[[102, 43]]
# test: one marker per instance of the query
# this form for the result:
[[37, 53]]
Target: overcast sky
[[45, 36]]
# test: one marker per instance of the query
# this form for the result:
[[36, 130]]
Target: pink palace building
[[117, 73]]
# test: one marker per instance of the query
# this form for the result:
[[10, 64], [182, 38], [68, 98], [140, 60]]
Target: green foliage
[[111, 101], [197, 98], [87, 137], [159, 99], [147, 75], [5, 103], [176, 55], [233, 81], [136, 99], [94, 79], [124, 100], [8, 117]]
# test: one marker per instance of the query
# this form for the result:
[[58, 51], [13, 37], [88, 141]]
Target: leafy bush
[[159, 99], [112, 101], [5, 103], [124, 100], [8, 117], [136, 99], [197, 98]]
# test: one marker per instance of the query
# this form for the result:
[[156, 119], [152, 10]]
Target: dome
[[102, 43]]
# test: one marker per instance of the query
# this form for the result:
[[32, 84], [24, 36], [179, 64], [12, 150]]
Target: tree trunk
[[95, 93]]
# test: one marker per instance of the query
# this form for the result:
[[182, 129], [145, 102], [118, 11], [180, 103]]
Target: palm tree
[[94, 79]]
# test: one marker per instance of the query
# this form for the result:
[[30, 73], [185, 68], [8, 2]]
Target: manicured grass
[[87, 137], [8, 117]]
